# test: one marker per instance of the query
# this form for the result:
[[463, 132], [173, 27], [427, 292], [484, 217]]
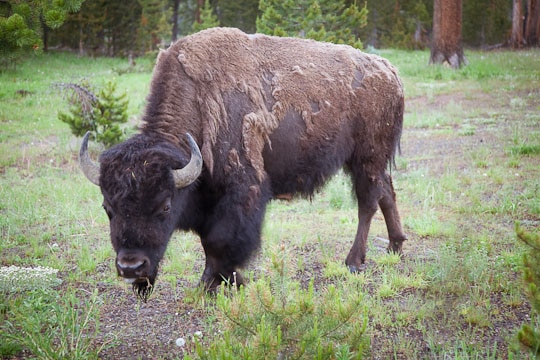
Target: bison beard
[[269, 116], [143, 289]]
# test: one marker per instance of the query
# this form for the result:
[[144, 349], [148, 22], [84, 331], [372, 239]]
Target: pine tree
[[24, 24], [208, 18], [111, 111], [238, 13], [270, 21], [323, 20], [154, 25], [491, 22], [17, 40], [529, 335], [100, 114]]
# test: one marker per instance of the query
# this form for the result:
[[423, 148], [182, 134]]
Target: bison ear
[[89, 168], [185, 176]]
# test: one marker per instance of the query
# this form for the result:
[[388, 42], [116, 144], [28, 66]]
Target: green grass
[[469, 170]]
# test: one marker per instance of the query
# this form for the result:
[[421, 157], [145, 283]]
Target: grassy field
[[470, 169]]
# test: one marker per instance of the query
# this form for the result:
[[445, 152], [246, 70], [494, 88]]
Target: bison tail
[[396, 134]]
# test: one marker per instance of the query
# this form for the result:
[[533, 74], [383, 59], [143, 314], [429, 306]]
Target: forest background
[[135, 28]]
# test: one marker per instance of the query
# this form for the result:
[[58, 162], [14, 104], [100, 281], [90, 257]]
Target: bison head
[[145, 186]]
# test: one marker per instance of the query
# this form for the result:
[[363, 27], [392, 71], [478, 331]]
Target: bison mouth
[[138, 270], [142, 287]]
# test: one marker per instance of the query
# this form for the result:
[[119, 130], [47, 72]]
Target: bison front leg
[[216, 273], [233, 235]]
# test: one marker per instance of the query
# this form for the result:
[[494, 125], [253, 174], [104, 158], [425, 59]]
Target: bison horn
[[89, 168], [188, 174]]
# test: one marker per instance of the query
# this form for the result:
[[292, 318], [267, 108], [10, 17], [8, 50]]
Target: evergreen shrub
[[101, 114]]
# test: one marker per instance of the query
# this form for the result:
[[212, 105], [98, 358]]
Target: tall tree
[[207, 18], [24, 24], [516, 39], [198, 10], [398, 23], [154, 24], [532, 25], [325, 20], [176, 6], [486, 23], [446, 46], [120, 27], [240, 13]]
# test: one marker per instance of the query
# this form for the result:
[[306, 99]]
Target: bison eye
[[163, 210], [167, 208]]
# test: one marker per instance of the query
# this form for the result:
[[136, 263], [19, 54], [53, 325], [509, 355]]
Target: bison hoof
[[394, 249], [356, 269], [211, 283]]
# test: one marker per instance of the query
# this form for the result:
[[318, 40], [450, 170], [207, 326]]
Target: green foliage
[[21, 26], [17, 40], [100, 114], [398, 24], [154, 25], [486, 22], [52, 325], [83, 29], [275, 317], [529, 335], [332, 21], [240, 13], [208, 18], [119, 28]]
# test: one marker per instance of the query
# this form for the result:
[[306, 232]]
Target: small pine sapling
[[529, 335], [100, 114]]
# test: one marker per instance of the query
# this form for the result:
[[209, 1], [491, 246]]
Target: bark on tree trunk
[[446, 46], [516, 40], [175, 21], [44, 34], [200, 6], [81, 41], [532, 27]]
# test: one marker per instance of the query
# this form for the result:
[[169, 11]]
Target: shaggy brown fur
[[273, 117], [326, 83]]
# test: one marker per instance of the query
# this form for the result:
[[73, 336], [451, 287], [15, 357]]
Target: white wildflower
[[180, 342], [17, 279]]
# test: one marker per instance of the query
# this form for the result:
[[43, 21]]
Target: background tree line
[[120, 28]]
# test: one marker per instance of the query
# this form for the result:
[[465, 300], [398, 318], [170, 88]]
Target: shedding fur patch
[[327, 84]]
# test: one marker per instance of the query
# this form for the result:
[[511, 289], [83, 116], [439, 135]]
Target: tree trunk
[[81, 41], [44, 33], [200, 6], [516, 40], [174, 36], [446, 46], [532, 26]]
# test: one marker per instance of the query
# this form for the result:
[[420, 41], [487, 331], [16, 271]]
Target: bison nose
[[132, 264]]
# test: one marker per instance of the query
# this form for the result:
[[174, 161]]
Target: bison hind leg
[[374, 191], [390, 212]]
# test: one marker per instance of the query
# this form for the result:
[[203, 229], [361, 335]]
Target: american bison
[[233, 120]]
